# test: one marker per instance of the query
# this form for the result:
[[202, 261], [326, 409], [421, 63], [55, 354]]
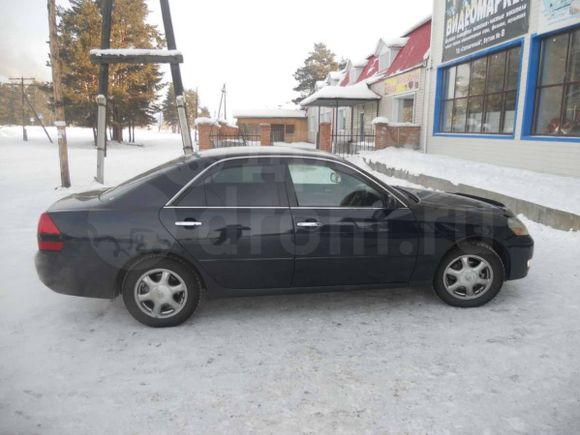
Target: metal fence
[[346, 144], [234, 140]]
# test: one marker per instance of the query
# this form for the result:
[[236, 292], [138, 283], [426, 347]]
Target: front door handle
[[188, 223], [309, 224]]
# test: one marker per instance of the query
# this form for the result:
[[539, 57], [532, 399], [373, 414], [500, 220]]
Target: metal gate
[[345, 143], [234, 140]]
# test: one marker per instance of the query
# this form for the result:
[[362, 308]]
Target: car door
[[348, 229], [235, 221]]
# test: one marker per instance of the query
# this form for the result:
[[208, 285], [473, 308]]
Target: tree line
[[134, 90]]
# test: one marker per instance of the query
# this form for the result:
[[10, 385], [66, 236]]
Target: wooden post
[[57, 87], [177, 82], [106, 12]]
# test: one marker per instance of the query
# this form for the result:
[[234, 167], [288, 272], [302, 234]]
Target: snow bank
[[550, 190]]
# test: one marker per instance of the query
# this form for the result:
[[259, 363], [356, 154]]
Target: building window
[[557, 110], [290, 129], [384, 60], [404, 109], [479, 96]]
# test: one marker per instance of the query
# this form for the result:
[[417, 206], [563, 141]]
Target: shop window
[[479, 96], [557, 109]]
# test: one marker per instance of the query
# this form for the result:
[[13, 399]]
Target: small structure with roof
[[387, 85], [285, 125]]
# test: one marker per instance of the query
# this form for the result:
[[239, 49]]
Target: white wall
[[561, 158]]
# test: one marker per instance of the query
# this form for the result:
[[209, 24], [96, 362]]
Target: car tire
[[470, 275], [160, 291]]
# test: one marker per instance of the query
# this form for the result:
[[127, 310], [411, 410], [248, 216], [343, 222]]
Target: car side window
[[320, 185], [239, 184]]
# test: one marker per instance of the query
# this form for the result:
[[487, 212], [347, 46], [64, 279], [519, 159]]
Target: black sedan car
[[251, 221]]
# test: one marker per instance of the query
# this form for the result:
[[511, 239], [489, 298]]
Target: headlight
[[517, 226]]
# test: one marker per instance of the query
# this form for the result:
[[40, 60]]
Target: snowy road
[[395, 361]]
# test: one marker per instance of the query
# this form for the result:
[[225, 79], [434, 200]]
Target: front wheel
[[160, 291], [469, 276]]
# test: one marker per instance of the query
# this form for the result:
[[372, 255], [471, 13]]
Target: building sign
[[471, 25], [558, 13], [402, 83]]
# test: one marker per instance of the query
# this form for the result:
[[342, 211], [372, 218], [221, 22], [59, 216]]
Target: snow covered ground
[[562, 193], [395, 361]]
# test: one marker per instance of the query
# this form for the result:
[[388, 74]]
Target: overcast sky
[[252, 46]]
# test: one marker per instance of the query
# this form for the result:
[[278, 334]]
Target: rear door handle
[[188, 223], [308, 224]]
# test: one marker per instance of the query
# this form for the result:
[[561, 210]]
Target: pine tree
[[317, 65], [169, 108], [132, 88]]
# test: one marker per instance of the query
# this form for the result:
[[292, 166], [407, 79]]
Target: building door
[[277, 133]]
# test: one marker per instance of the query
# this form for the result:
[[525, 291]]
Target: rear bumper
[[520, 256], [76, 275]]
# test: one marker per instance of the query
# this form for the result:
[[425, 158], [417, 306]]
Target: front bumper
[[520, 255], [76, 275]]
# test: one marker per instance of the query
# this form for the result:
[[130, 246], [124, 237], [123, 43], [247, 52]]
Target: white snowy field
[[554, 191], [392, 361]]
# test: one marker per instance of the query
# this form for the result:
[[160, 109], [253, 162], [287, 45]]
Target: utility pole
[[23, 110], [24, 97], [58, 103], [223, 98]]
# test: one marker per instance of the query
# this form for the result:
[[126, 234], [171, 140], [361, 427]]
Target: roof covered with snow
[[269, 113], [370, 69], [332, 96], [414, 51]]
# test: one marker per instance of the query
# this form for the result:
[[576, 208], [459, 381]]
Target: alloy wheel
[[160, 293], [468, 277]]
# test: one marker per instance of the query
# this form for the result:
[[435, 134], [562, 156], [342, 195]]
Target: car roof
[[256, 151]]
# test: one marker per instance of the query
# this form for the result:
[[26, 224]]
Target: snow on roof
[[269, 113], [360, 63], [417, 25], [395, 42], [360, 91], [370, 69], [134, 52]]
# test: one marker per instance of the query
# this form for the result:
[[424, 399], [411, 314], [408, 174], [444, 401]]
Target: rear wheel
[[469, 276], [160, 291]]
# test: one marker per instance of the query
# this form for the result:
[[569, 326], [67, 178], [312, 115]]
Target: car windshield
[[125, 186]]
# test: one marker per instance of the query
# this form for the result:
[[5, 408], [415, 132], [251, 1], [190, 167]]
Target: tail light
[[49, 236]]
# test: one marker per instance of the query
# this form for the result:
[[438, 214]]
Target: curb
[[558, 219]]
